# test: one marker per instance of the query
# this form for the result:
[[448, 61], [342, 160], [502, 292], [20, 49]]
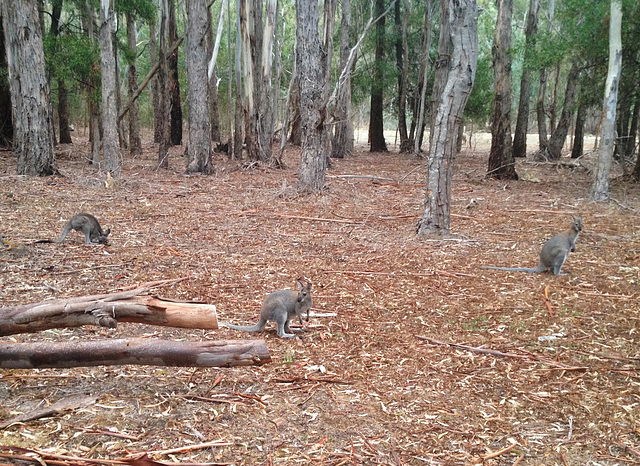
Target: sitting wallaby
[[554, 252], [281, 306], [87, 224]]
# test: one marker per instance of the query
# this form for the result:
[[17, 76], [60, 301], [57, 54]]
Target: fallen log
[[107, 310], [138, 351]]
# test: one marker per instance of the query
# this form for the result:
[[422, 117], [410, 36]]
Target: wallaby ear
[[106, 233]]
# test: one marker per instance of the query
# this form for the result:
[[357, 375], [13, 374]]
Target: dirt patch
[[361, 387]]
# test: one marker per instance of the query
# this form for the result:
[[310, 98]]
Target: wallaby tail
[[251, 328], [514, 269]]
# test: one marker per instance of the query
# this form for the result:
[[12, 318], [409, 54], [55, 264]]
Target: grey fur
[[554, 252], [281, 306], [87, 224]]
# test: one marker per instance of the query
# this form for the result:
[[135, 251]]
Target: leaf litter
[[428, 359]]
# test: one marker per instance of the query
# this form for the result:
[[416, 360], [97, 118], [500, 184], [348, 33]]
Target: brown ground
[[362, 387]]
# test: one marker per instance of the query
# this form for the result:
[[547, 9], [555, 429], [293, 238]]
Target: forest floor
[[382, 381]]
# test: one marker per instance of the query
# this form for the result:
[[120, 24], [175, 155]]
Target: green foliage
[[144, 9], [72, 57], [479, 105]]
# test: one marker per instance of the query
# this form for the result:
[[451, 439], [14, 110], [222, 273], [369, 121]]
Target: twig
[[473, 349], [370, 177], [312, 379], [199, 446], [547, 300], [108, 266], [301, 217], [499, 452]]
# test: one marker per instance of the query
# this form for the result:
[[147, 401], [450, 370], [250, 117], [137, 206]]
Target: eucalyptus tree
[[376, 118], [199, 144], [600, 186], [462, 19], [342, 143], [175, 130], [522, 121], [402, 64], [501, 163], [32, 114], [63, 93], [313, 165], [110, 145]]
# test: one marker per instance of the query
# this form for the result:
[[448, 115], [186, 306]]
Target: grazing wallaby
[[87, 224], [554, 252], [281, 306]]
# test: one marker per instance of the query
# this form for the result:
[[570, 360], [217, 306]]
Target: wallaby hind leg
[[558, 262], [281, 325], [288, 329]]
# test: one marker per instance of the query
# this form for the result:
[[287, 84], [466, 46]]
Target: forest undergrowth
[[427, 360]]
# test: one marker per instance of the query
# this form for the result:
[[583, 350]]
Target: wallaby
[[281, 306], [87, 224], [554, 252]]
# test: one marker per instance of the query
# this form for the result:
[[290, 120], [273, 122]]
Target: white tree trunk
[[32, 115], [199, 150], [266, 116], [110, 147], [600, 186], [135, 143]]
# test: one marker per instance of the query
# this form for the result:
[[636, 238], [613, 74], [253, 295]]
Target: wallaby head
[[576, 223], [304, 294]]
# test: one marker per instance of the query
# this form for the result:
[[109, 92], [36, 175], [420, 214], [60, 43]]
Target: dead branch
[[139, 351], [106, 310], [473, 349], [68, 403]]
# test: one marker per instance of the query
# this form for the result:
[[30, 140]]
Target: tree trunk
[[106, 311], [295, 136], [63, 93], [163, 124], [276, 159], [32, 115], [376, 118], [343, 131], [175, 131], [423, 79], [250, 122], [556, 142], [554, 100], [600, 186], [542, 90], [501, 162], [212, 79], [139, 351], [402, 23], [266, 104], [6, 125], [441, 68], [633, 131], [311, 175], [155, 89], [110, 149], [135, 142], [578, 135], [238, 139], [522, 122], [199, 148], [123, 138], [462, 19]]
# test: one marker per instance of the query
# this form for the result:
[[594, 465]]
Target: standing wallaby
[[87, 224], [554, 252], [281, 306]]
